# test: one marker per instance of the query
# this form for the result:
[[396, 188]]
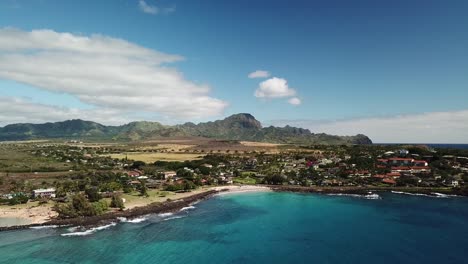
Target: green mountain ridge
[[236, 127]]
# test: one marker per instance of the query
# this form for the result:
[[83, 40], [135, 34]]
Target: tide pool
[[264, 228]]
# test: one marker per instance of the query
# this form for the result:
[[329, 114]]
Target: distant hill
[[236, 127]]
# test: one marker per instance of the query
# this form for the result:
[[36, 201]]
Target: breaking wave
[[433, 195], [89, 231], [133, 220], [370, 196], [44, 227], [187, 208], [174, 217]]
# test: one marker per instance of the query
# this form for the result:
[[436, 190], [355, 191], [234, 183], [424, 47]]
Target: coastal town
[[102, 182]]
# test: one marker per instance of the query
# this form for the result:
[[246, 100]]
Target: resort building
[[47, 193]]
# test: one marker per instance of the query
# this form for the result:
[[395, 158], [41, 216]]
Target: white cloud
[[149, 9], [259, 74], [274, 88], [294, 101], [433, 127], [19, 110], [105, 72]]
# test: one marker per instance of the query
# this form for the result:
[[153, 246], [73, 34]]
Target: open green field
[[246, 180], [19, 159]]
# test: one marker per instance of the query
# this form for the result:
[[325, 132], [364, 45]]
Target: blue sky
[[389, 69]]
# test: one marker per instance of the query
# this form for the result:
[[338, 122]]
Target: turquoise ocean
[[265, 228]]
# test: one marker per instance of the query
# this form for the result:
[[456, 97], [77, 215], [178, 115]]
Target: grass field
[[152, 157], [246, 180], [20, 160], [135, 200]]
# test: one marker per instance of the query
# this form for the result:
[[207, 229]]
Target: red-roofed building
[[133, 173], [420, 163], [423, 169], [393, 174], [389, 181], [401, 169], [400, 161]]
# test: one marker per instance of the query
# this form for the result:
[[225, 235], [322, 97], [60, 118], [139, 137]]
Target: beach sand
[[241, 188], [32, 213], [26, 214]]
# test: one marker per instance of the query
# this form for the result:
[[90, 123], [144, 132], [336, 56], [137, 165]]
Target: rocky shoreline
[[363, 190], [155, 208], [173, 206]]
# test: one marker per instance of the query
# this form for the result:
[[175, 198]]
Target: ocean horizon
[[432, 145], [264, 227]]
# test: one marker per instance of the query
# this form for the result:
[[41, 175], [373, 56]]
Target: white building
[[48, 193]]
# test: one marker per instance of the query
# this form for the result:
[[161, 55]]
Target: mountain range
[[236, 127]]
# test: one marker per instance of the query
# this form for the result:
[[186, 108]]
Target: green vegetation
[[117, 202], [246, 180], [79, 206], [235, 127]]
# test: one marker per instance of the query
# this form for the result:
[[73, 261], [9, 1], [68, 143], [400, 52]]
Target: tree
[[117, 202], [80, 206], [274, 179], [143, 189], [187, 186], [93, 194], [18, 199], [138, 164]]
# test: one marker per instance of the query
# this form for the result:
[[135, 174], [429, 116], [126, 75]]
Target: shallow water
[[265, 228]]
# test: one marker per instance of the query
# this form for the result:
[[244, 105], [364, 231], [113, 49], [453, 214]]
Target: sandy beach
[[32, 213], [26, 214], [241, 189]]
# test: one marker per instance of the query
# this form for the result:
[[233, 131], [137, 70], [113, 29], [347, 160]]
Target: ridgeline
[[236, 127]]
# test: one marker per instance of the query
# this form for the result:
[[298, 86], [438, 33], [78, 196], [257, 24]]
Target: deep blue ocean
[[266, 228], [454, 146]]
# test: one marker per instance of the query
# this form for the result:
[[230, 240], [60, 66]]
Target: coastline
[[136, 211], [363, 190], [176, 205]]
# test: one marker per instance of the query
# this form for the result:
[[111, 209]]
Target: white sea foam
[[441, 195], [165, 214], [433, 194], [187, 208], [133, 220], [174, 217], [90, 231], [137, 220], [44, 227], [370, 196]]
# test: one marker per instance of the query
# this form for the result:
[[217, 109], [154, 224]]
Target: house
[[169, 174], [401, 169], [420, 163], [400, 161], [389, 181], [47, 193], [424, 169], [133, 173]]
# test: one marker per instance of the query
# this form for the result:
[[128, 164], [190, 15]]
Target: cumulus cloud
[[105, 72], [294, 101], [259, 74], [149, 9], [20, 110], [432, 127], [274, 88]]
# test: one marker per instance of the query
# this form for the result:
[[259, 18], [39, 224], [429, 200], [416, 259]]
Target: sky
[[396, 71]]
